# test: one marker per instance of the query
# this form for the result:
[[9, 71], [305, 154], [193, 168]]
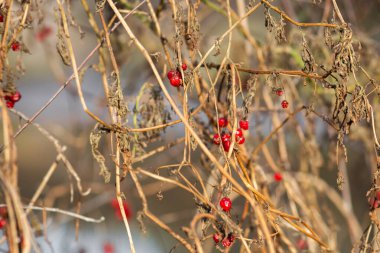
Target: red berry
[[277, 176], [226, 204], [10, 104], [184, 66], [108, 248], [216, 237], [226, 242], [374, 203], [216, 139], [115, 205], [176, 81], [226, 145], [231, 237], [16, 96], [239, 133], [284, 104], [244, 124], [15, 46], [223, 122], [302, 244], [43, 33], [280, 92], [226, 137], [3, 222], [240, 140], [1, 18], [226, 141], [170, 74]]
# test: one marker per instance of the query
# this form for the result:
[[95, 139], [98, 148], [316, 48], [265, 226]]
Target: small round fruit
[[108, 248], [240, 140], [15, 46], [8, 98], [277, 176], [226, 242], [238, 133], [184, 66], [216, 139], [231, 237], [176, 81], [44, 33], [280, 92], [301, 244], [244, 124], [10, 104], [170, 74], [226, 145], [284, 104], [3, 222], [226, 204], [115, 203], [16, 96], [226, 137], [374, 201], [1, 18], [223, 122], [216, 237]]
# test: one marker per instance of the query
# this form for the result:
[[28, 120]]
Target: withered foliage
[[95, 138], [61, 41], [152, 110]]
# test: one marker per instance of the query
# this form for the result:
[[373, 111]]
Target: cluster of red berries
[[175, 76], [226, 137], [117, 211], [226, 204], [279, 92], [11, 99], [226, 242], [3, 217]]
